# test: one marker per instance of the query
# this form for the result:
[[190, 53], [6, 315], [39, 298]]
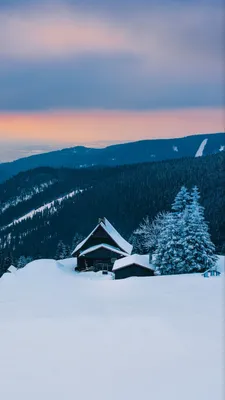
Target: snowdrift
[[70, 335]]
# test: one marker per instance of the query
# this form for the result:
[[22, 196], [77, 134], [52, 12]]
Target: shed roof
[[105, 246], [12, 269], [141, 260], [112, 232], [213, 269]]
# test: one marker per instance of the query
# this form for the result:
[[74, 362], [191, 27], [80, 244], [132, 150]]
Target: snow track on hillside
[[201, 148], [25, 197], [52, 205]]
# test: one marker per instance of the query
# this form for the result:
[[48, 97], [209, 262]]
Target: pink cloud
[[40, 33], [174, 40]]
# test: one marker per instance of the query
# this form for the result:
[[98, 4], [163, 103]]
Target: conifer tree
[[198, 247], [169, 251], [61, 251], [184, 245], [22, 261], [182, 199], [75, 241]]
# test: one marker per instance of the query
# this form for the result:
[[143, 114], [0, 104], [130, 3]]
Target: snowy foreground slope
[[75, 336]]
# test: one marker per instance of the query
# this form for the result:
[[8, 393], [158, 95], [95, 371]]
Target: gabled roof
[[112, 232], [105, 246], [142, 260]]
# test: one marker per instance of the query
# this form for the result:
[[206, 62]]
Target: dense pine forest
[[123, 194]]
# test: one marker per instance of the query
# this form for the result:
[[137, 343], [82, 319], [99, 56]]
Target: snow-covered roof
[[112, 232], [105, 246], [213, 269], [141, 260], [12, 269]]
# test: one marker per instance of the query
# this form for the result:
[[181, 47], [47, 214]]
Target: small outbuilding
[[12, 269], [132, 265], [211, 272]]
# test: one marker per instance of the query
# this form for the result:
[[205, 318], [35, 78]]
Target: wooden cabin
[[101, 248], [133, 265]]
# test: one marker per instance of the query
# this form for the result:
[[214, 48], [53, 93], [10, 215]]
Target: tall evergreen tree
[[169, 252], [184, 244], [182, 199], [198, 247]]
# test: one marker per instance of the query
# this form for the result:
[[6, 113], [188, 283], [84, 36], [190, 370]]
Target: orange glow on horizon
[[99, 125]]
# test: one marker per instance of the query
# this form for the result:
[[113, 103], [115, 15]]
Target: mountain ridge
[[117, 154]]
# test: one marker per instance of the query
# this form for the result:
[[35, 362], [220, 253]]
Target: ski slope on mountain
[[71, 336], [201, 148], [52, 205]]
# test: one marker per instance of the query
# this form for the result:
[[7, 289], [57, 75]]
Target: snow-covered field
[[73, 336]]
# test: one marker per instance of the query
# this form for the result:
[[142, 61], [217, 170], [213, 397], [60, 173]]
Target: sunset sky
[[104, 71]]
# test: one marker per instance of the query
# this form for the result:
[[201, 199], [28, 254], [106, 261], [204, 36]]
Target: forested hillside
[[123, 194], [120, 154]]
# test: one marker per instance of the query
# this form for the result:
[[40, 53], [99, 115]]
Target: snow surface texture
[[81, 336], [201, 148]]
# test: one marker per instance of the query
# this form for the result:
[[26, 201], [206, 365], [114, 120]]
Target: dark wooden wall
[[100, 256], [132, 270]]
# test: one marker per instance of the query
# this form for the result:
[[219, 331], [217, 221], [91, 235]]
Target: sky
[[105, 71]]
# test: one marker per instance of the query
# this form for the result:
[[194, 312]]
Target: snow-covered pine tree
[[179, 208], [198, 247], [22, 261], [182, 199], [169, 252]]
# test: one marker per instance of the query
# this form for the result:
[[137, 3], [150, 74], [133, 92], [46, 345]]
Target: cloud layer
[[181, 34], [156, 55], [110, 70]]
